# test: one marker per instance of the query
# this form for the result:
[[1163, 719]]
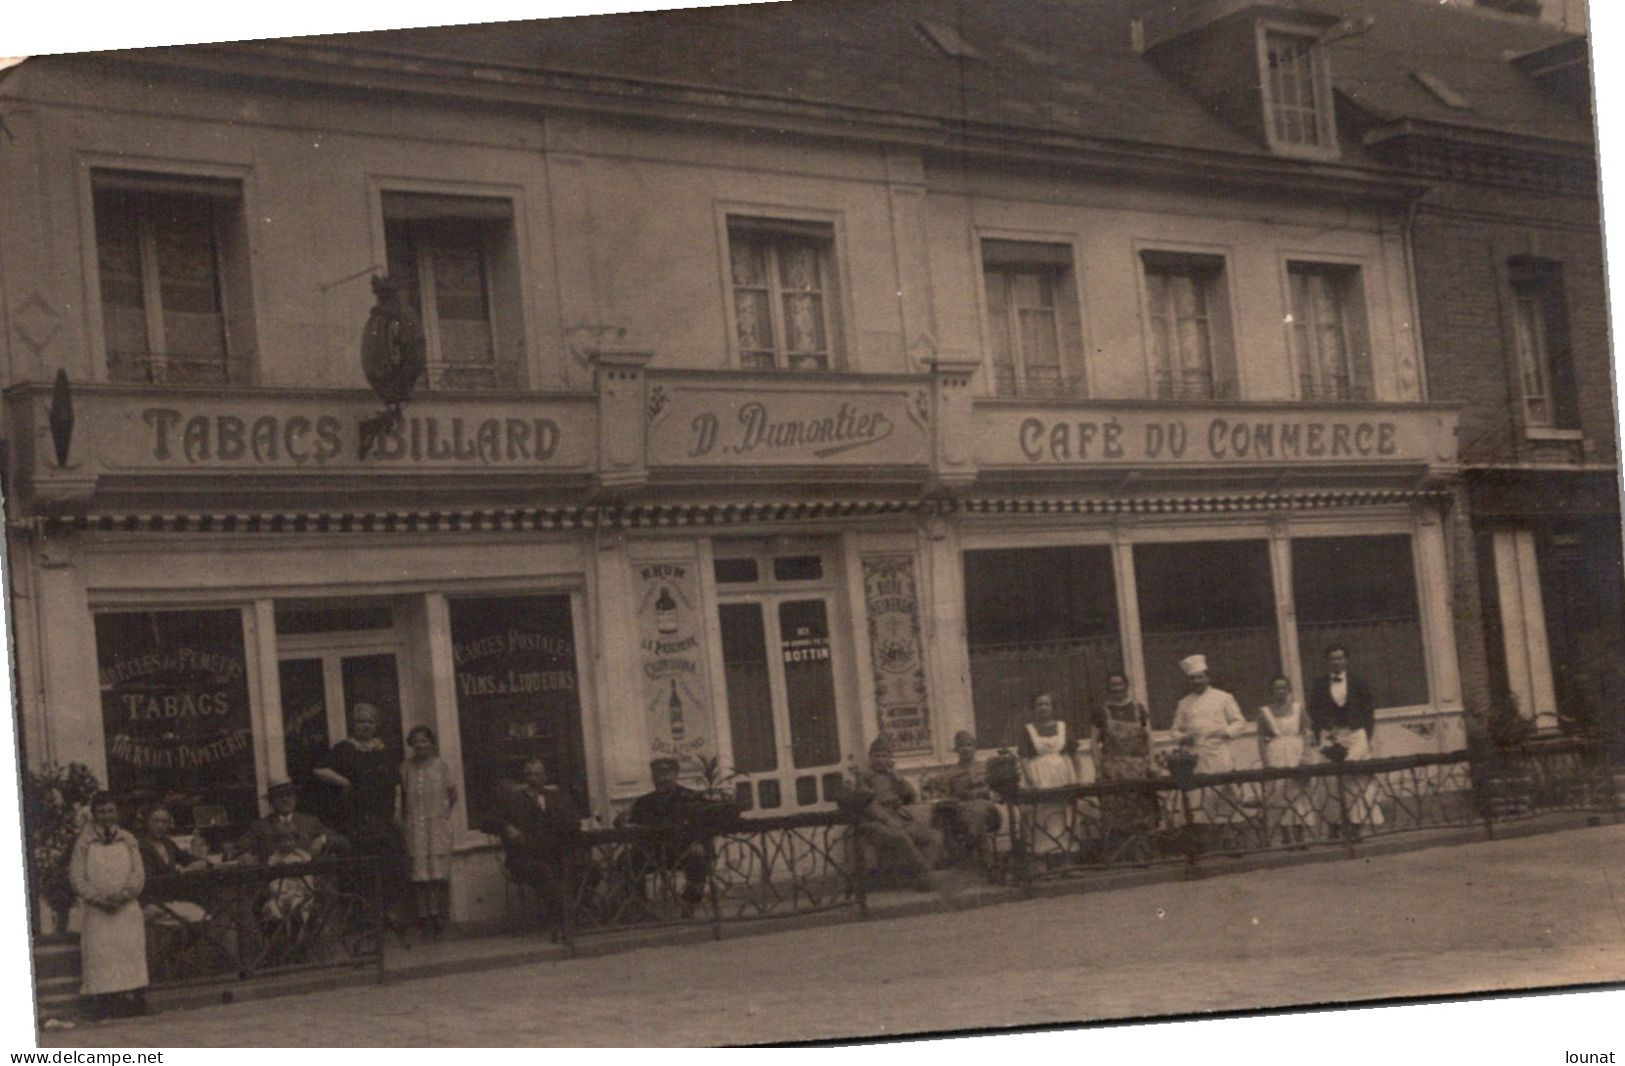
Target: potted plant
[[55, 807]]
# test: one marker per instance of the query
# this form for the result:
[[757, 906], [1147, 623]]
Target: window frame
[[1544, 280], [1320, 80], [838, 314], [1224, 366], [1068, 285], [1356, 326], [237, 281], [510, 328]]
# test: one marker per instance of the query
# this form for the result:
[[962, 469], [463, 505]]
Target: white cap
[[1193, 664]]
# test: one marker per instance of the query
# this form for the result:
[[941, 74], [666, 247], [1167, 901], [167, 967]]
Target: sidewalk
[[1540, 910]]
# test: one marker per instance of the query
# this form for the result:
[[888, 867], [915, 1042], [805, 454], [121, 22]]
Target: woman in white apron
[[107, 876], [1287, 811], [1048, 761]]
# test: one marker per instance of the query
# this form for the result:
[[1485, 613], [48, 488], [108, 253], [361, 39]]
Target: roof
[[1066, 67], [1467, 52]]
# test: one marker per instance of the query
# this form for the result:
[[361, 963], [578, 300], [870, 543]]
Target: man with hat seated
[[286, 832], [672, 809], [970, 811], [889, 826]]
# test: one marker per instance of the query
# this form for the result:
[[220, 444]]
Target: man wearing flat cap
[[971, 812], [888, 824], [285, 830], [672, 809]]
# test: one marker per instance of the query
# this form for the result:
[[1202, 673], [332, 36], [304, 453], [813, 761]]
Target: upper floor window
[[171, 256], [785, 298], [1033, 323], [458, 260], [1328, 332], [1192, 351], [1297, 93], [1541, 336]]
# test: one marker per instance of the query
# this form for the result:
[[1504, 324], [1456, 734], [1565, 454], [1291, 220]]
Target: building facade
[[796, 376]]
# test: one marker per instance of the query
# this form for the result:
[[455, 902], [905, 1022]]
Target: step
[[56, 960]]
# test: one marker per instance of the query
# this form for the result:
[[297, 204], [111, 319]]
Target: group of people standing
[[397, 811], [1337, 724]]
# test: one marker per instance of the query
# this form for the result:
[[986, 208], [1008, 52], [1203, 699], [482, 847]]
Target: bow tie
[[1337, 677]]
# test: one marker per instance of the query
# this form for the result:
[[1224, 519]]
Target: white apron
[[113, 946]]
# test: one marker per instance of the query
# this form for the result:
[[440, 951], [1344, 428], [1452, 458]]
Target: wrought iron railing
[[1191, 817], [732, 870], [238, 922]]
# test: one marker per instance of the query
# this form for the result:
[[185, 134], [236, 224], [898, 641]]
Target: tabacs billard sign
[[273, 434]]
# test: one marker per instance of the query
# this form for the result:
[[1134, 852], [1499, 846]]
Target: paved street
[[1510, 914]]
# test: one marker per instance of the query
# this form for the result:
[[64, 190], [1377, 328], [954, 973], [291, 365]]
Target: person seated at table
[[164, 859], [888, 825], [673, 808], [540, 833], [286, 831], [971, 814]]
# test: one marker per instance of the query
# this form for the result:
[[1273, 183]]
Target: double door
[[781, 666], [322, 680]]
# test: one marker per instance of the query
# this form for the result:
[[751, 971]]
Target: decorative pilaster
[[953, 467], [623, 463]]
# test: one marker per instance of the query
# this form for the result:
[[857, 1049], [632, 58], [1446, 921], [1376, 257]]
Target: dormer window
[[1297, 93]]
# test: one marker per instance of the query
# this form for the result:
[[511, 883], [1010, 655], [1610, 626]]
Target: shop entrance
[[323, 676], [777, 616]]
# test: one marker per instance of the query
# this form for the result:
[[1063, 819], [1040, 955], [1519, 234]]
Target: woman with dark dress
[[163, 858], [1122, 746], [369, 778]]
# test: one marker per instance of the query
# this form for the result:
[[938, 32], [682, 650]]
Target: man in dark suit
[[672, 810], [540, 830], [1343, 711], [1341, 707], [288, 832]]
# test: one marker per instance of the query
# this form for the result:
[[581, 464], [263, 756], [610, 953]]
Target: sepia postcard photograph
[[812, 522]]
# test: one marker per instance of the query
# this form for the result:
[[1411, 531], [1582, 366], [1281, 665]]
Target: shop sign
[[712, 426], [295, 435], [671, 650], [514, 670], [1241, 437], [892, 604], [175, 711]]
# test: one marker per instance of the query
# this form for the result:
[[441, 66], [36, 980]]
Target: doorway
[[778, 617], [324, 673]]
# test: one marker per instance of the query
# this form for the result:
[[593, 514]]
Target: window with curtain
[[1189, 323], [785, 297], [1212, 598], [1328, 332], [1039, 620], [1033, 322], [1299, 112], [1360, 592], [1541, 341], [456, 258], [172, 267]]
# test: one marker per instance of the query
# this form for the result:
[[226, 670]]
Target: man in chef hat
[[1206, 719]]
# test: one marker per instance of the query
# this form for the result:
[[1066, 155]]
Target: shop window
[[1360, 592], [296, 618], [1033, 322], [518, 696], [1039, 620], [1329, 332], [785, 298], [175, 714], [458, 260], [172, 262], [1189, 318], [1541, 336], [736, 571], [1213, 598], [1297, 94]]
